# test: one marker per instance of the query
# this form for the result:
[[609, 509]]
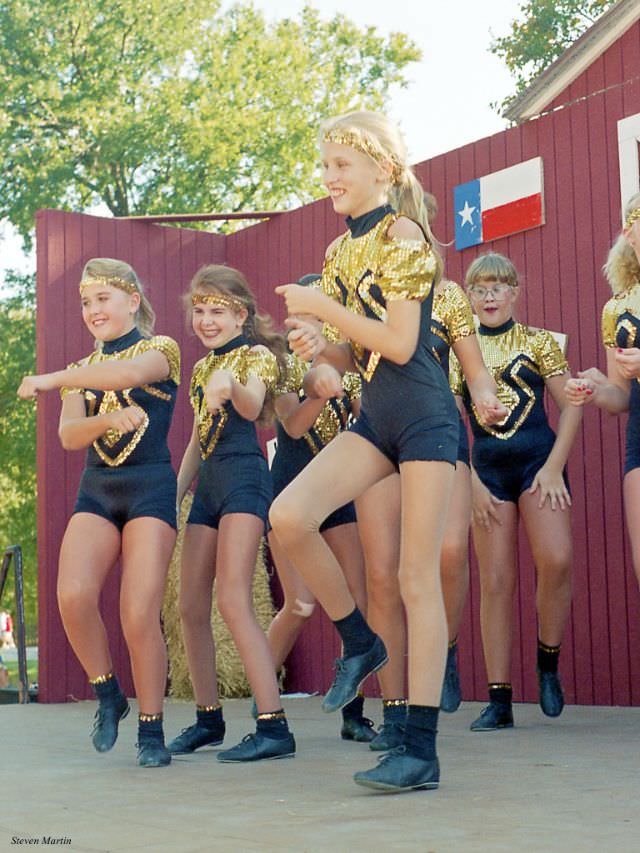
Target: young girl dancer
[[619, 391], [118, 403], [378, 281], [226, 523], [303, 428], [518, 468]]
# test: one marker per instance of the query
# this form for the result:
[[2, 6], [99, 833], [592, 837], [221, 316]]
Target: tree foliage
[[545, 29], [153, 106], [18, 435]]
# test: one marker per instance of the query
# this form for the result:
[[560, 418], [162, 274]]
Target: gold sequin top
[[147, 444], [621, 319], [451, 320], [336, 413], [520, 359], [228, 430], [366, 272]]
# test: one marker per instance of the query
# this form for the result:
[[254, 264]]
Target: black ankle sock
[[353, 711], [394, 711], [421, 730], [209, 719], [502, 693], [108, 689], [151, 729], [548, 657], [273, 725], [357, 637]]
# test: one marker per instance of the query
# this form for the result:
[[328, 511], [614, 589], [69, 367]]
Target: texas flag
[[499, 204]]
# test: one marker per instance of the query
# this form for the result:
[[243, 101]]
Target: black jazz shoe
[[152, 752], [359, 729], [398, 771], [194, 737], [450, 698], [105, 727], [258, 747], [350, 673], [389, 737], [551, 695], [494, 716]]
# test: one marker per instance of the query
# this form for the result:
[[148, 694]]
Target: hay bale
[[232, 681]]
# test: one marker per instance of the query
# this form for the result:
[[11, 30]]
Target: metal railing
[[15, 552]]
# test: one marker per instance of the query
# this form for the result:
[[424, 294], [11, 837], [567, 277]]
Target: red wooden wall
[[563, 290]]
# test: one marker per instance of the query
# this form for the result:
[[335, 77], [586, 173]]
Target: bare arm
[[77, 431], [549, 478], [296, 416], [190, 463], [247, 399], [113, 375], [482, 386]]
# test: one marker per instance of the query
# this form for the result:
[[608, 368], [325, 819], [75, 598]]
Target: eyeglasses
[[498, 291]]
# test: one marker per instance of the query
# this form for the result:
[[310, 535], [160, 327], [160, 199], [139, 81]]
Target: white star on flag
[[466, 213]]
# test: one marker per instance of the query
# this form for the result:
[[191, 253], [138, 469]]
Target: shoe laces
[[398, 750]]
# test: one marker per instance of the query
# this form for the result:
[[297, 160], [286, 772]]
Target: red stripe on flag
[[511, 218]]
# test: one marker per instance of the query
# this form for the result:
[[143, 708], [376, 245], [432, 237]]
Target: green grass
[[14, 678]]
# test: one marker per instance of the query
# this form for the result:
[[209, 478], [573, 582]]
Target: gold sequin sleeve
[[610, 314], [456, 379], [262, 364], [291, 380], [352, 384], [169, 349], [198, 379], [405, 270], [65, 390], [458, 316], [329, 287], [549, 357]]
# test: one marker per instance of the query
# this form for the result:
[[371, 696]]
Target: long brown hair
[[258, 328]]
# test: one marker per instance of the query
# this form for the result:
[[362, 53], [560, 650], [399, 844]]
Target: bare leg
[[322, 487], [379, 523], [454, 560], [631, 490], [426, 490], [238, 541], [496, 553], [297, 608], [549, 533], [90, 548], [147, 544], [197, 573], [344, 541]]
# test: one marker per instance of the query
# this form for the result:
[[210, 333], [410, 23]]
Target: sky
[[446, 104]]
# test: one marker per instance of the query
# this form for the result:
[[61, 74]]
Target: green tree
[[18, 436], [545, 29], [163, 106]]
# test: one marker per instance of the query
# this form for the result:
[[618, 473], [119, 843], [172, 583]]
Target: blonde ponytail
[[622, 269]]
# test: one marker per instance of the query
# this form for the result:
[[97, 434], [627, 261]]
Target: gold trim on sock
[[502, 685], [453, 643], [393, 703], [102, 679], [149, 718], [208, 708], [549, 649], [272, 715]]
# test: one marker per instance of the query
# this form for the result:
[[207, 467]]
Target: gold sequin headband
[[354, 139], [224, 300], [632, 217], [111, 281]]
